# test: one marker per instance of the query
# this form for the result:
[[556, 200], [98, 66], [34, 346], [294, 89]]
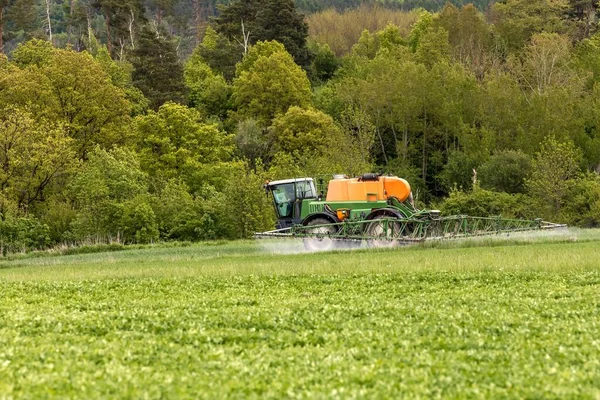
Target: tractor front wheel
[[319, 239]]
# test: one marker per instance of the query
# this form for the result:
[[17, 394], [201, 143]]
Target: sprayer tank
[[360, 189]]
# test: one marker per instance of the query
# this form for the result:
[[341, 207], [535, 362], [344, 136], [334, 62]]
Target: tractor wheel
[[382, 234], [319, 240]]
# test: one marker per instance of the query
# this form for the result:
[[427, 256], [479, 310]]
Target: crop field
[[508, 318]]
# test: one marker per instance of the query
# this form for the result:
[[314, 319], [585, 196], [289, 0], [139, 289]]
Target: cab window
[[284, 199], [305, 190]]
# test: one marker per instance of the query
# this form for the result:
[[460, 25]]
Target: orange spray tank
[[368, 187]]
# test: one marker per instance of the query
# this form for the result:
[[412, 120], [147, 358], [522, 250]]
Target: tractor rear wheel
[[319, 239], [382, 233]]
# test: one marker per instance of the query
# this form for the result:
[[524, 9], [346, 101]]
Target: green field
[[515, 318]]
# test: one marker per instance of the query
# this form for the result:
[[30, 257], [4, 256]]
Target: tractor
[[370, 199], [375, 209]]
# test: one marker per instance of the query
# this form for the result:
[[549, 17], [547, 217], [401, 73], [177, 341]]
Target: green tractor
[[318, 217], [378, 210]]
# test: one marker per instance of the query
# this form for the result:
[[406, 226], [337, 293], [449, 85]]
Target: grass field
[[515, 318]]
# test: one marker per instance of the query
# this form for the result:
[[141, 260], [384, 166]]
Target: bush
[[458, 172], [139, 222], [581, 205], [506, 171], [324, 62], [250, 210], [23, 234], [485, 203]]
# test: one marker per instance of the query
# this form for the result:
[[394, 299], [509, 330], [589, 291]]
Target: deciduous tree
[[270, 86]]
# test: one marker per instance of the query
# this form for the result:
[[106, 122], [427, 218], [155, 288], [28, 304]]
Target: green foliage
[[219, 53], [459, 172], [248, 208], [34, 52], [320, 146], [72, 89], [110, 199], [22, 234], [179, 215], [367, 45], [174, 143], [252, 140], [139, 222], [517, 20], [324, 63], [419, 29], [506, 171], [208, 92], [259, 50], [341, 29], [555, 169], [471, 41], [432, 47], [269, 87], [32, 156], [546, 62], [485, 203], [587, 57], [304, 129], [120, 75], [390, 37], [423, 94], [582, 203], [122, 19]]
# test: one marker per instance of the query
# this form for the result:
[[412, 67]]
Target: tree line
[[116, 23], [483, 113]]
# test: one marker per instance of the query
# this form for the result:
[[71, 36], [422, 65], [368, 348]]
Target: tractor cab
[[288, 196]]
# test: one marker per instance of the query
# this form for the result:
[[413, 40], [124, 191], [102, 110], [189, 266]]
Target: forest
[[141, 121]]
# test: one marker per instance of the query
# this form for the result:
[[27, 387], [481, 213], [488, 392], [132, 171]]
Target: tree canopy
[[139, 127]]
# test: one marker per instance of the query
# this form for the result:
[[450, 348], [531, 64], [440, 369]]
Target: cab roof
[[283, 181]]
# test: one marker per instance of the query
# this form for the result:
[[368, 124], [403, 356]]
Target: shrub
[[506, 171], [484, 203], [22, 234], [139, 222], [458, 172], [581, 205]]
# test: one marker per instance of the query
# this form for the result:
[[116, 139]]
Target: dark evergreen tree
[[157, 72], [18, 20], [123, 19], [221, 55], [266, 20]]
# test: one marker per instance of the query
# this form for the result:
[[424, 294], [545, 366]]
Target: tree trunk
[[405, 141], [109, 39], [131, 21], [49, 21], [1, 29], [395, 140], [197, 18], [382, 145], [424, 165], [70, 24]]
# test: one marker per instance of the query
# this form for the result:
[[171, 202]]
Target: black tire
[[319, 240], [389, 233]]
